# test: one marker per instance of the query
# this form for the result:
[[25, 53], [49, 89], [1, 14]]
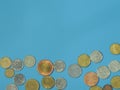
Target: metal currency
[[19, 79], [95, 88], [17, 65], [11, 87], [59, 66], [107, 87], [115, 82], [115, 48], [9, 72], [60, 83]]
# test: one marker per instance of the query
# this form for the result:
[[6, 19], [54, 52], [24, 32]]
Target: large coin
[[11, 87], [107, 87], [115, 48], [45, 67], [95, 88], [19, 79], [9, 72], [96, 56], [91, 79], [17, 64], [59, 66], [48, 82], [60, 83], [103, 72], [74, 70], [115, 82]]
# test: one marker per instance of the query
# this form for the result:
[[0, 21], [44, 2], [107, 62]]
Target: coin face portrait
[[115, 48], [59, 66], [9, 73], [19, 79], [115, 82]]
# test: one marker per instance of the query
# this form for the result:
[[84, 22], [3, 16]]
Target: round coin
[[60, 83], [48, 82], [19, 79], [115, 82], [115, 48], [45, 67], [9, 72], [91, 79], [17, 64], [84, 60], [11, 87], [74, 70], [59, 66], [107, 87], [95, 88]]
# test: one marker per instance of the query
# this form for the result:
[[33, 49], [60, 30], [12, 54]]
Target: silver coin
[[29, 61], [11, 87], [19, 79], [17, 64], [114, 66], [59, 66], [74, 70], [103, 72], [96, 56], [60, 83]]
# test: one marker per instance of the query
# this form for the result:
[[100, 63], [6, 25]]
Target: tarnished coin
[[19, 79], [60, 83], [103, 72], [48, 82], [29, 61], [91, 79], [11, 87], [59, 66], [114, 66], [115, 82], [9, 72], [107, 87], [95, 88], [5, 62], [45, 67], [17, 65], [115, 48], [74, 70], [96, 56], [32, 84]]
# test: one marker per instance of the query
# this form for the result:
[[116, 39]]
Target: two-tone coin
[[115, 82], [95, 88], [11, 87], [107, 87], [115, 48], [60, 83], [19, 79], [9, 72], [59, 66], [17, 64]]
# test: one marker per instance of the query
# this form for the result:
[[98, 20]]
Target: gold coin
[[115, 82], [48, 82], [5, 62], [95, 88], [84, 60], [9, 72], [32, 84], [115, 48]]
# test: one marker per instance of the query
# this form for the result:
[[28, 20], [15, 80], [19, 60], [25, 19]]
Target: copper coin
[[91, 79], [107, 87], [45, 67]]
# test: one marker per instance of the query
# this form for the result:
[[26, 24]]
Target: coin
[[84, 60], [115, 48], [60, 83], [32, 84], [29, 61], [103, 72], [91, 79], [11, 87], [5, 62], [45, 67], [95, 88], [114, 66], [107, 87], [59, 66], [19, 79], [48, 82], [115, 82], [96, 56], [74, 70], [9, 72], [17, 64]]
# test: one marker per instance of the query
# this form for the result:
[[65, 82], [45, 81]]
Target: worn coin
[[103, 72], [95, 88], [115, 82], [9, 72], [60, 83], [59, 66], [115, 48], [19, 79], [74, 70], [17, 65], [91, 79], [11, 87], [107, 87]]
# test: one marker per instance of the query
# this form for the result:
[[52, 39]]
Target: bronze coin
[[107, 87], [45, 67]]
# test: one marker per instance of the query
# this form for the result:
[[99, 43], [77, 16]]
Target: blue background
[[58, 29]]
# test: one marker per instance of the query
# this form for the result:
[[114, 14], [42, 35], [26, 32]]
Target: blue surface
[[58, 29]]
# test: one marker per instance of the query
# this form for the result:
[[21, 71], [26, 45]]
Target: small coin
[[45, 67], [115, 48], [5, 62], [91, 79], [115, 82], [96, 56], [32, 84], [107, 87], [11, 87], [95, 88], [60, 83], [48, 82], [114, 66], [29, 61], [19, 79], [84, 60], [17, 65], [74, 70], [103, 72], [9, 72], [59, 66]]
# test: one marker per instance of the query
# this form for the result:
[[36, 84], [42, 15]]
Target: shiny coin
[[32, 84], [115, 82], [96, 56], [103, 72], [107, 87], [45, 67], [9, 72], [114, 66], [60, 83], [115, 48], [74, 70], [19, 79], [17, 64], [59, 66], [11, 87], [48, 82], [29, 61], [95, 88], [91, 79]]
